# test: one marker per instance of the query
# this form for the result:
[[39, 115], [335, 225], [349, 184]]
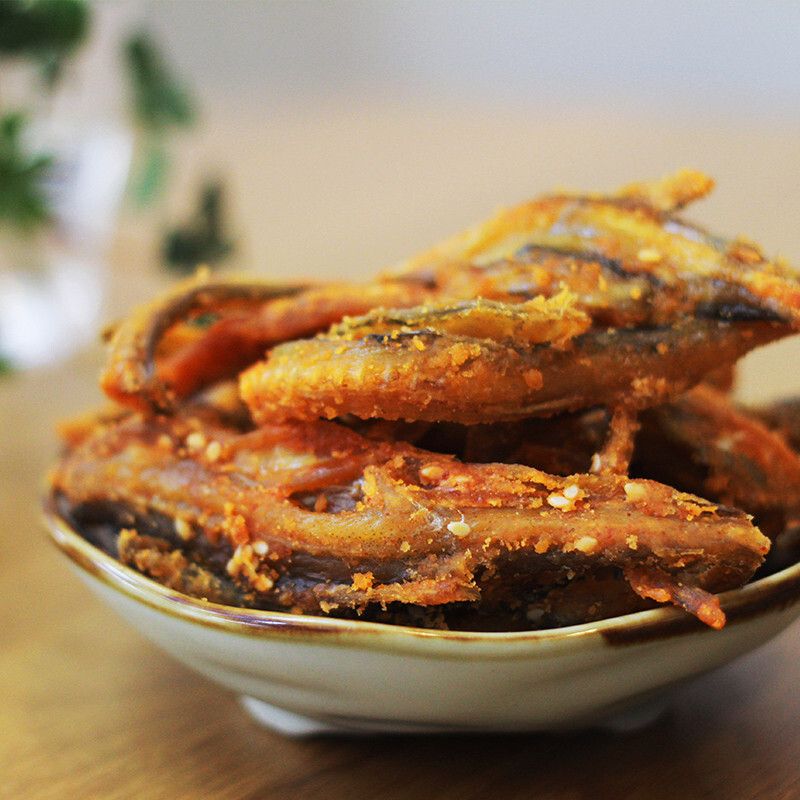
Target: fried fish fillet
[[202, 332], [424, 375], [668, 303], [634, 232], [315, 517]]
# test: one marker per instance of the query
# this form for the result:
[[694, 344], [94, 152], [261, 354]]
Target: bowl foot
[[285, 722], [289, 723]]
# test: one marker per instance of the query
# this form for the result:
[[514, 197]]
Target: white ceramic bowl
[[303, 675]]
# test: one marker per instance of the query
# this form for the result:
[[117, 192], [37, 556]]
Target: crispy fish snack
[[704, 440], [635, 234], [515, 438], [203, 332], [424, 375], [679, 301], [315, 517]]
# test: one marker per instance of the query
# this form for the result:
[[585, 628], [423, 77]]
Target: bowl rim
[[771, 593]]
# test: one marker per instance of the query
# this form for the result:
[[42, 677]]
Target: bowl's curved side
[[353, 674], [454, 688]]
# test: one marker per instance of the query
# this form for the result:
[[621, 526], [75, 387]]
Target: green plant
[[202, 239], [160, 104], [48, 33], [39, 40], [23, 201]]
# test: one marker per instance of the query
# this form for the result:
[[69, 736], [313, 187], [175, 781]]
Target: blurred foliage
[[159, 100], [160, 104], [202, 240], [48, 33], [23, 200], [47, 30]]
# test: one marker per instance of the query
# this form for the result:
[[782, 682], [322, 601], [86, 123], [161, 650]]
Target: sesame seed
[[571, 491], [586, 544], [559, 501], [263, 583], [635, 492], [183, 529], [213, 451], [431, 472], [195, 441], [260, 548], [649, 255], [459, 528]]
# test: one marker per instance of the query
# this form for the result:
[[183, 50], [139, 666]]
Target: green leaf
[[23, 200], [46, 30], [202, 240], [160, 101], [149, 172]]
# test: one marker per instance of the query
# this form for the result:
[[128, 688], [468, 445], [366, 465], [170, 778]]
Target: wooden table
[[89, 709]]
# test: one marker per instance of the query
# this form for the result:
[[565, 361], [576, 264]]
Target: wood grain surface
[[89, 709]]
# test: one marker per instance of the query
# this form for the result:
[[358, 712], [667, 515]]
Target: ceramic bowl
[[304, 675]]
